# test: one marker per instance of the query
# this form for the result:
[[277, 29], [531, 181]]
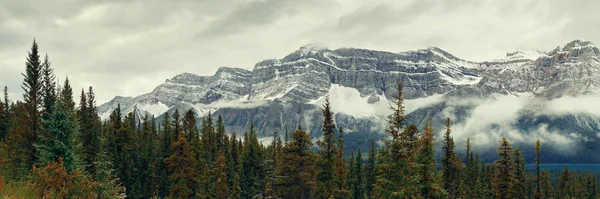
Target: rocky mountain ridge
[[281, 94]]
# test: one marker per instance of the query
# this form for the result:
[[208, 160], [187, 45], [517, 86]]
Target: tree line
[[49, 148]]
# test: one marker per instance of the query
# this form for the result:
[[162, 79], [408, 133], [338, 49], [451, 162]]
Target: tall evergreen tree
[[251, 160], [220, 187], [450, 169], [521, 185], [4, 110], [32, 85], [546, 187], [297, 180], [48, 88], [565, 184], [358, 182], [590, 187], [5, 116], [61, 140], [538, 192], [429, 182], [109, 186], [326, 179], [397, 176], [505, 178], [370, 171], [234, 168], [89, 127], [341, 169], [19, 143], [180, 165]]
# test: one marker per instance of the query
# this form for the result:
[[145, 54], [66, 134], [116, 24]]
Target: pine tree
[[19, 145], [397, 172], [565, 184], [590, 187], [326, 181], [89, 127], [538, 192], [472, 172], [521, 184], [4, 112], [504, 178], [165, 152], [60, 139], [450, 169], [429, 181], [546, 187], [251, 160], [181, 164], [48, 88], [351, 178], [32, 85], [234, 168], [221, 188], [341, 169], [358, 182], [370, 172], [297, 180], [108, 183]]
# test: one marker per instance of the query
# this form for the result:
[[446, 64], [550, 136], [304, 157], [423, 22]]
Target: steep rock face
[[187, 90], [571, 70], [285, 93]]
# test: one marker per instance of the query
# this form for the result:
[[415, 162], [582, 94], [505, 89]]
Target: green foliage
[[429, 182], [326, 181], [297, 180], [180, 165], [504, 179], [60, 137]]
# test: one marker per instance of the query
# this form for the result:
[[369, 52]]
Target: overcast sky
[[127, 48]]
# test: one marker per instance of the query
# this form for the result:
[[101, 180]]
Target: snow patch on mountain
[[154, 109], [348, 101]]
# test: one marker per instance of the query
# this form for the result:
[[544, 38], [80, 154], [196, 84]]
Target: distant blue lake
[[560, 167]]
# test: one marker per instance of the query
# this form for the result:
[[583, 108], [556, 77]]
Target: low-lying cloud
[[492, 118]]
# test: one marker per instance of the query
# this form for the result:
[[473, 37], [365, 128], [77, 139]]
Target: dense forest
[[50, 147]]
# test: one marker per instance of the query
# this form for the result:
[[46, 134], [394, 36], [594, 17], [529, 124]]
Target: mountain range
[[525, 96]]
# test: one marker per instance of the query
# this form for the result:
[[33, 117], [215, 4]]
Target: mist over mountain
[[528, 95]]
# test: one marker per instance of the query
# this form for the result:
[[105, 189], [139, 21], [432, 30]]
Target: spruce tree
[[341, 169], [504, 178], [370, 171], [89, 127], [48, 88], [590, 187], [358, 182], [234, 168], [538, 192], [32, 85], [521, 184], [165, 152], [546, 187], [60, 141], [326, 179], [3, 121], [565, 184], [20, 148], [109, 186], [220, 188], [429, 182], [180, 165], [450, 169], [297, 180], [250, 180], [397, 172]]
